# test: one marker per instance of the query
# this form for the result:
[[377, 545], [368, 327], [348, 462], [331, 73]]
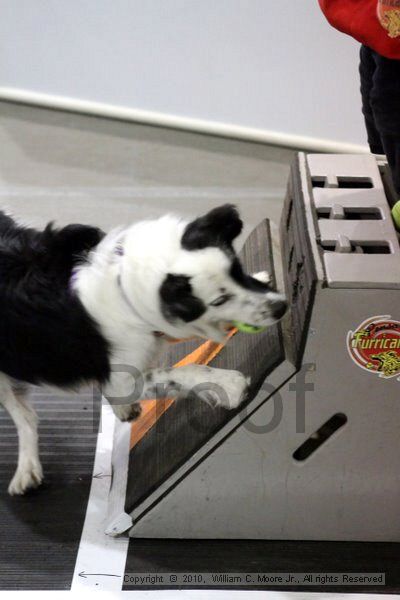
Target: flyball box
[[313, 453]]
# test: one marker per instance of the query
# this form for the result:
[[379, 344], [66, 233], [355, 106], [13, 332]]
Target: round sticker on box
[[375, 346]]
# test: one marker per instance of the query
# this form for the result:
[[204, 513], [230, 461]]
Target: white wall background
[[267, 64]]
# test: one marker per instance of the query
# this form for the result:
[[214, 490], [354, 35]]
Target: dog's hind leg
[[29, 472]]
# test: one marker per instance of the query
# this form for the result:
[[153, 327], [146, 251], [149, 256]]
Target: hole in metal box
[[289, 214], [297, 285], [353, 214], [291, 254], [319, 437], [344, 182], [355, 182], [318, 181], [360, 247]]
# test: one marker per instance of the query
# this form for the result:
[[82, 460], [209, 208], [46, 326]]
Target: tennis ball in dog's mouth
[[245, 328]]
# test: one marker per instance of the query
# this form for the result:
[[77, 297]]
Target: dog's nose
[[278, 309]]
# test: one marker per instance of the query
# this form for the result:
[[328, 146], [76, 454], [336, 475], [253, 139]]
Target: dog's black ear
[[67, 246], [78, 238], [219, 227], [177, 300], [70, 243]]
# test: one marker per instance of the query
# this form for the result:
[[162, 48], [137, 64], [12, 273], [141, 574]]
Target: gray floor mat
[[267, 556], [40, 532]]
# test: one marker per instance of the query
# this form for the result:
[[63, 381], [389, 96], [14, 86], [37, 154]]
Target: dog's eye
[[220, 300]]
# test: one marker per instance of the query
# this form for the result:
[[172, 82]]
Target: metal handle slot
[[319, 437], [357, 247], [350, 213], [342, 182]]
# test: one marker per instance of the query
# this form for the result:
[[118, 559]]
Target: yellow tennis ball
[[245, 328], [396, 214]]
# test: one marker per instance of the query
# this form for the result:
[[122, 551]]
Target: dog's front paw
[[127, 412], [236, 388], [262, 276], [225, 388], [28, 475]]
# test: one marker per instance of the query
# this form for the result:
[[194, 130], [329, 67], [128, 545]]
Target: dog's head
[[200, 282]]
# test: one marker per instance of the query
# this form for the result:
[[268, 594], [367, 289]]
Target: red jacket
[[359, 19]]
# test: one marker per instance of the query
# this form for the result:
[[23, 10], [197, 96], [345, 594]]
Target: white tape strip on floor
[[100, 563]]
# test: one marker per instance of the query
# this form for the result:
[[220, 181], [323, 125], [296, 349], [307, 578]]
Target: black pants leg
[[367, 70], [380, 91]]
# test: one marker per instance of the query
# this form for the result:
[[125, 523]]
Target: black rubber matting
[[40, 531], [255, 556]]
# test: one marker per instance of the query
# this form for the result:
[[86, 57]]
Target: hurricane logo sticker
[[375, 346]]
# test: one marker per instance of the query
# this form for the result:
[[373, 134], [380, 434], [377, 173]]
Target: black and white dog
[[75, 303]]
